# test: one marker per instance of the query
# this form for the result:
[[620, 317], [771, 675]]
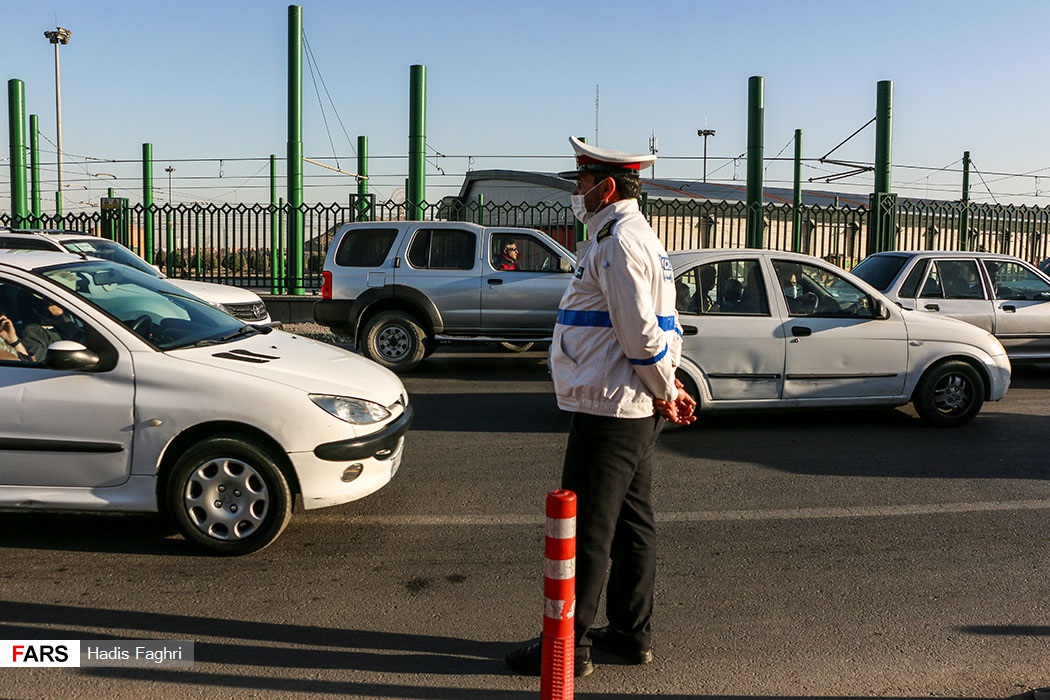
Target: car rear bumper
[[333, 313]]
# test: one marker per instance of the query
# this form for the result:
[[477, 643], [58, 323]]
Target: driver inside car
[[800, 302], [52, 324]]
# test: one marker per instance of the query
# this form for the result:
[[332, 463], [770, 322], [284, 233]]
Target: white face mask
[[579, 206]]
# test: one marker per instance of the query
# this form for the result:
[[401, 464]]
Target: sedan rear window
[[25, 243], [880, 270]]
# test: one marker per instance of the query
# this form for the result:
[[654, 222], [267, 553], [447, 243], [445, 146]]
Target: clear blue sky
[[507, 83]]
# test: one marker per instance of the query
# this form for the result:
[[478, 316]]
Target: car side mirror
[[70, 355], [564, 265], [879, 309]]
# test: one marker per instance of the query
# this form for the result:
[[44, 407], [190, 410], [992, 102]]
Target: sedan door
[[729, 331], [953, 287], [523, 296], [1021, 308], [62, 428], [836, 348], [446, 268]]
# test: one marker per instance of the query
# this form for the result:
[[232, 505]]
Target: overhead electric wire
[[982, 181], [84, 163]]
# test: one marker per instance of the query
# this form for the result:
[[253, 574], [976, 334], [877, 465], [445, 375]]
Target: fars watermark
[[142, 653]]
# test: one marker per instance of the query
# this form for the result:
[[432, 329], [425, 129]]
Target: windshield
[[880, 270], [109, 250], [152, 308]]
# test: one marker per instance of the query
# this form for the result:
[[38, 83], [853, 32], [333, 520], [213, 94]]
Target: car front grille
[[254, 311]]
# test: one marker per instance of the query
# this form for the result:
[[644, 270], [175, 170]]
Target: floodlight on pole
[[58, 37], [705, 133]]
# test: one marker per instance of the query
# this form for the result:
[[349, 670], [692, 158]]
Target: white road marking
[[703, 515]]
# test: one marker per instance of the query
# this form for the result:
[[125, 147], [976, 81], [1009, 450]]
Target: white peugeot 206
[[120, 392], [769, 329]]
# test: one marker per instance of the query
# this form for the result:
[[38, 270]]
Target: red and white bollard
[[559, 598]]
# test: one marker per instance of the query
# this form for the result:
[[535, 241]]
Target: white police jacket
[[617, 340]]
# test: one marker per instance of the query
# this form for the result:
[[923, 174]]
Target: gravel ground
[[315, 331]]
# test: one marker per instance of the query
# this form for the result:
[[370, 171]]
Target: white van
[[120, 392]]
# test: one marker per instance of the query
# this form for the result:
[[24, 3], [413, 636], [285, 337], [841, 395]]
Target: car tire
[[516, 347], [395, 340], [229, 496], [950, 394], [690, 387]]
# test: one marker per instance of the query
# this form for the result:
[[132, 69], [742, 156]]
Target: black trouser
[[609, 465]]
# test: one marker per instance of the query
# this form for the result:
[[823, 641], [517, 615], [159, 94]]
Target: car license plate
[[395, 461]]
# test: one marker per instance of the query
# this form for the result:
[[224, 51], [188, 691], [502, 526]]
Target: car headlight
[[356, 411]]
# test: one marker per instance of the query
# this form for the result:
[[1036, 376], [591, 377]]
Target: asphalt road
[[807, 555]]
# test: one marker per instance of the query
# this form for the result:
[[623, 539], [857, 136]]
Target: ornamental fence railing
[[247, 244]]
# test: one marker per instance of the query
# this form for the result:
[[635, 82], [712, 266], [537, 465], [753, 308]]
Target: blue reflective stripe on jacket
[[651, 360], [594, 319], [667, 323]]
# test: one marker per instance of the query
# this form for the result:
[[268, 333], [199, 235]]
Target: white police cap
[[604, 160]]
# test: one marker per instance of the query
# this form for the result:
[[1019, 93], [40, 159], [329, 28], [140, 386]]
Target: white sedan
[[770, 329], [999, 293], [238, 302], [121, 392]]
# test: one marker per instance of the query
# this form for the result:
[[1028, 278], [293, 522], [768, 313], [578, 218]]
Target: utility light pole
[[59, 36], [705, 133], [169, 170], [654, 148]]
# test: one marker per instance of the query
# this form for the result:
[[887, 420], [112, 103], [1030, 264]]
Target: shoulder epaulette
[[605, 231]]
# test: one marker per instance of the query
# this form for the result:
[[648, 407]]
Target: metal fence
[[247, 245]]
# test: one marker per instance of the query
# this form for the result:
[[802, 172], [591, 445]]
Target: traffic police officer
[[615, 348]]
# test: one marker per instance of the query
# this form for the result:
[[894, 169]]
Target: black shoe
[[528, 660], [620, 645]]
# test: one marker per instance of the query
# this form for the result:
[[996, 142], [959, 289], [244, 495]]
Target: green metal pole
[[147, 201], [362, 181], [275, 241], [964, 214], [417, 143], [295, 150], [882, 220], [481, 209], [282, 255], [34, 170], [16, 120], [755, 154], [796, 198], [883, 136]]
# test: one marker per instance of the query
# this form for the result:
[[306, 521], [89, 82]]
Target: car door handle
[[495, 280], [690, 330], [801, 331], [1009, 308], [932, 307]]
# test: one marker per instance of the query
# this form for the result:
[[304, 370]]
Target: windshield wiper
[[242, 331]]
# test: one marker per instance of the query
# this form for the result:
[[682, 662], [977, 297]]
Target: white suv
[[398, 288], [238, 302]]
